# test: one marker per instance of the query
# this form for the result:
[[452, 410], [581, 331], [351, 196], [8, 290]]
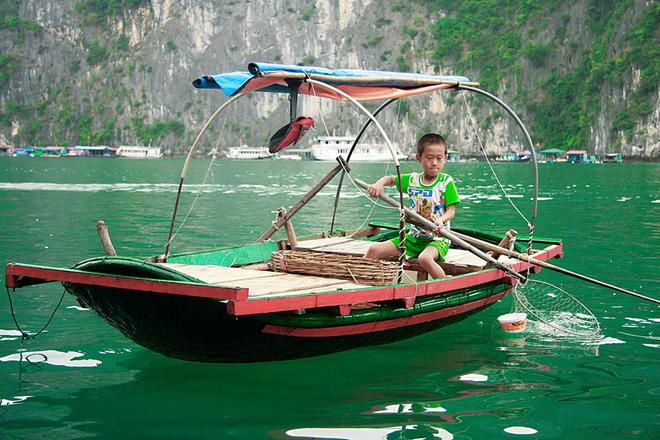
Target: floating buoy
[[513, 322]]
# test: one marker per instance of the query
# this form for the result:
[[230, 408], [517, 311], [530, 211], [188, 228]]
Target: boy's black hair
[[430, 139]]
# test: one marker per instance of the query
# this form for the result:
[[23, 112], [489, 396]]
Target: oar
[[491, 247], [445, 233], [504, 251]]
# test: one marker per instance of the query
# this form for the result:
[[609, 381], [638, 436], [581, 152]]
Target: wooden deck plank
[[320, 242], [287, 283], [220, 274], [262, 283], [463, 258], [353, 247]]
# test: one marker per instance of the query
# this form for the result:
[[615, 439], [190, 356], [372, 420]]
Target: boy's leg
[[427, 259], [380, 250]]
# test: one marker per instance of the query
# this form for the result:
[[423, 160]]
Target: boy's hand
[[376, 189], [439, 227]]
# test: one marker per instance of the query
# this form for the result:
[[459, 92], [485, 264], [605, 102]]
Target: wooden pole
[[302, 202], [544, 264], [445, 233], [105, 238], [419, 220], [290, 232]]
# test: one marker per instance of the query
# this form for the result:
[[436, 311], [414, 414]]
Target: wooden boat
[[195, 307], [249, 303]]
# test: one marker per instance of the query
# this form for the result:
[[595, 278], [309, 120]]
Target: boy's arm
[[450, 213], [451, 200], [376, 189]]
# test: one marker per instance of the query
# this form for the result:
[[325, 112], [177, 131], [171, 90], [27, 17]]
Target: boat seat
[[457, 261]]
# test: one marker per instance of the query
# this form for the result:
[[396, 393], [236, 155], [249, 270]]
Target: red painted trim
[[18, 275], [344, 310], [378, 326], [371, 294]]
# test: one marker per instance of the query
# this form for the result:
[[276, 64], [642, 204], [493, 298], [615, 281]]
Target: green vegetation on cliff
[[492, 38], [93, 72]]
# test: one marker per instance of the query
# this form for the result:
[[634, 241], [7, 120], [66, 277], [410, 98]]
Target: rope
[[387, 169], [209, 171], [327, 133], [372, 200], [483, 150], [26, 335], [362, 193]]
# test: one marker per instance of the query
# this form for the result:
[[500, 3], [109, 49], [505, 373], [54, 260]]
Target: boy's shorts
[[415, 246]]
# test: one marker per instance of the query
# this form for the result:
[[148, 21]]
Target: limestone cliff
[[120, 71]]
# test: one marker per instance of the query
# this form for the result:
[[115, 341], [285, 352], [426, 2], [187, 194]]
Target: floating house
[[139, 152], [95, 151], [6, 150], [613, 158], [551, 155], [577, 156], [25, 152], [53, 151], [304, 153], [453, 156]]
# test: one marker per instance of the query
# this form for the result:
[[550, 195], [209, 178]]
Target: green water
[[607, 215]]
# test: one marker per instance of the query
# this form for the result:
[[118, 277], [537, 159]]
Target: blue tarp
[[232, 83]]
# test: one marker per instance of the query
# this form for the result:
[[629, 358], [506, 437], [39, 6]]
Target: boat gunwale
[[21, 275], [405, 292], [239, 302]]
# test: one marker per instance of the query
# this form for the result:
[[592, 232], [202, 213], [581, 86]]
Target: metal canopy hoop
[[461, 86], [186, 164], [402, 215], [348, 158], [531, 147]]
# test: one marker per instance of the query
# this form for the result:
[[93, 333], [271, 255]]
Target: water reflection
[[390, 432], [52, 357], [560, 387]]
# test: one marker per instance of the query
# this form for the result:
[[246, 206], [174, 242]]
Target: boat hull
[[200, 329], [168, 308]]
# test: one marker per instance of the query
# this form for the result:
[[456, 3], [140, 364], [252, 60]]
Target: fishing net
[[556, 308]]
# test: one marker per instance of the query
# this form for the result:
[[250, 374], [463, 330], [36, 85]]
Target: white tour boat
[[138, 152], [244, 152], [329, 147]]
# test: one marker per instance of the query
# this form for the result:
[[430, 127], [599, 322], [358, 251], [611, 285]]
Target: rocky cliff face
[[120, 72]]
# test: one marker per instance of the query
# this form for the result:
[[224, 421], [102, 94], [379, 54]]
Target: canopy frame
[[295, 80]]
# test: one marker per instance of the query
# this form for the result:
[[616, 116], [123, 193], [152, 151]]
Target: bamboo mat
[[262, 283]]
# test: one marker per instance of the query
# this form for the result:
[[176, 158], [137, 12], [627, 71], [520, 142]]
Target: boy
[[432, 195]]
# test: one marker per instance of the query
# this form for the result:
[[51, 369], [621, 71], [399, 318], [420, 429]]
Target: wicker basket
[[347, 267]]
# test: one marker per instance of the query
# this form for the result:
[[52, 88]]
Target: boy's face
[[433, 159]]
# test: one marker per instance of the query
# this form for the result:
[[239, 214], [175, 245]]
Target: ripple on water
[[409, 408], [520, 430], [52, 357], [473, 378], [406, 431], [18, 400], [9, 335]]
